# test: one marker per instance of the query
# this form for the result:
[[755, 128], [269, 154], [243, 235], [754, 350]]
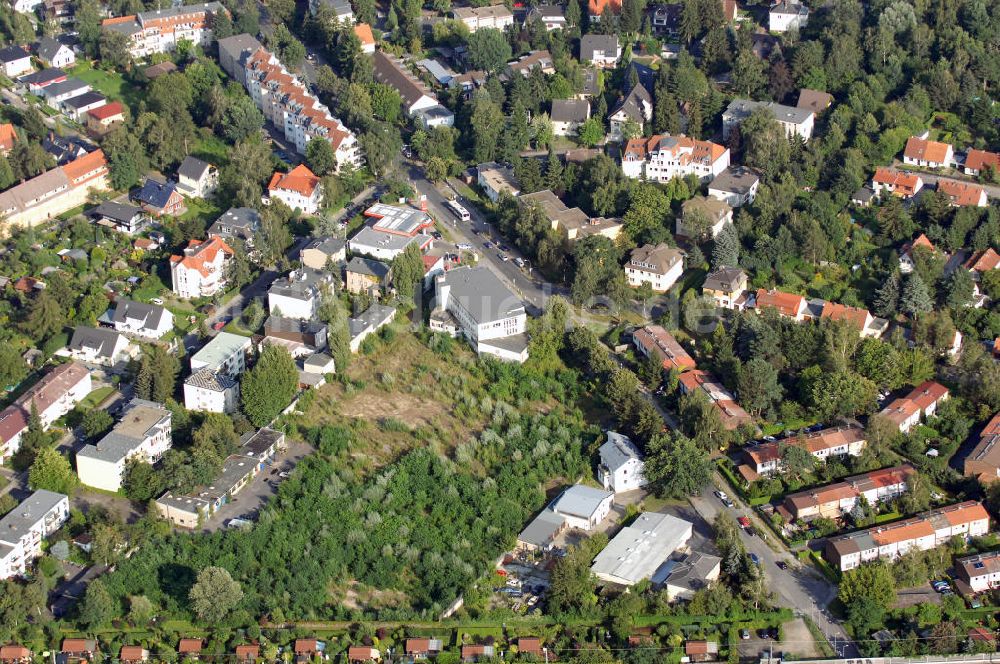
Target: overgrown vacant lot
[[403, 394]]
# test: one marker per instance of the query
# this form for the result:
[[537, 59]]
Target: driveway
[[248, 502], [800, 588]]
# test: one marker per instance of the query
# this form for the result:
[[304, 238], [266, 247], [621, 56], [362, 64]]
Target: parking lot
[[796, 640], [247, 503]]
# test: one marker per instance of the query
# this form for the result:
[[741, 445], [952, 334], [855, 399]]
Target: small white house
[[53, 53], [149, 321], [621, 464], [15, 61], [584, 507], [197, 178], [788, 15], [98, 345]]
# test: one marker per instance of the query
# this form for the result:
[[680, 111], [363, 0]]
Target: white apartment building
[[298, 295], [662, 157], [201, 271], [621, 464], [474, 301], [160, 30], [795, 121], [497, 17], [787, 15], [658, 265], [211, 392], [142, 433], [226, 353], [53, 396], [299, 189], [23, 529]]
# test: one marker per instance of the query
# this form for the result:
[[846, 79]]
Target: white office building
[[639, 550]]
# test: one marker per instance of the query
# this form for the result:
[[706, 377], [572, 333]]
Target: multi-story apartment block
[[53, 396], [160, 30], [201, 271], [298, 294], [142, 433], [922, 532], [211, 392], [658, 265], [24, 528], [226, 353], [475, 302], [285, 100], [662, 158], [795, 121]]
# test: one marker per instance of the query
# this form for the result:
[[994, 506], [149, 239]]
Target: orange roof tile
[[111, 110], [904, 531], [961, 193], [966, 512], [12, 652], [854, 315], [980, 159], [921, 241], [905, 183], [86, 167], [206, 252], [305, 646], [927, 393], [787, 304], [131, 653], [300, 179], [597, 7], [247, 651], [364, 33], [983, 261], [923, 150], [189, 646], [7, 137]]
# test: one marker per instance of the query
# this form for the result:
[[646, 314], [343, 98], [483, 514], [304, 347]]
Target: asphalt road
[[992, 190], [799, 588]]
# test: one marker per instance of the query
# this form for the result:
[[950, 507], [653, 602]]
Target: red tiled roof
[[189, 646], [928, 393], [131, 654], [662, 345], [300, 179], [983, 261], [78, 645], [981, 634], [597, 7], [361, 653], [207, 251], [854, 315], [961, 194], [923, 150], [86, 167], [787, 304], [7, 137], [13, 652], [905, 183], [107, 111], [364, 33], [529, 645], [248, 651], [305, 646], [921, 241], [980, 159], [417, 646]]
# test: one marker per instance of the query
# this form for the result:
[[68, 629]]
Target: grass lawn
[[199, 208], [111, 84], [211, 148], [96, 397]]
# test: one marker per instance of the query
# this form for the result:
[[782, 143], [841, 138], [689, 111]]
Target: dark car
[[781, 564]]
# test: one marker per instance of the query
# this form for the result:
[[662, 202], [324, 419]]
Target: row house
[[929, 154], [662, 158], [46, 196], [983, 462], [766, 458], [898, 183], [160, 30], [285, 100], [653, 341], [57, 393], [23, 529], [142, 433], [922, 533], [922, 401], [730, 412], [980, 572], [835, 500]]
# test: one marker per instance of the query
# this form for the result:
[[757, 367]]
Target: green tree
[[96, 422], [489, 50], [675, 466], [915, 299], [108, 543], [873, 581], [757, 386], [98, 607], [887, 297], [157, 376], [45, 318], [140, 608], [320, 156], [338, 339], [959, 289], [269, 386], [28, 159], [796, 462], [386, 103], [13, 368], [215, 594], [407, 271], [51, 471], [241, 119], [140, 482], [591, 132], [572, 584], [726, 250]]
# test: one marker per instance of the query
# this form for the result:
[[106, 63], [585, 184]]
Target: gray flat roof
[[580, 500], [742, 108], [259, 442], [220, 348], [542, 529], [129, 432], [369, 237], [32, 509], [481, 293], [639, 549]]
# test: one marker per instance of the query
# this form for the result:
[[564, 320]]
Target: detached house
[[568, 114], [621, 464], [658, 265], [8, 137], [496, 179], [421, 648], [583, 507], [197, 178], [788, 305], [211, 392], [980, 572], [795, 121], [14, 654], [15, 61], [361, 275], [727, 287], [703, 217], [103, 119], [298, 189], [128, 219], [963, 194], [78, 650], [322, 250], [298, 295], [201, 271], [96, 345], [552, 17], [930, 154], [736, 186], [160, 198], [636, 107], [861, 319], [978, 161], [148, 321], [497, 17], [922, 401], [787, 15], [601, 50], [906, 261], [54, 54]]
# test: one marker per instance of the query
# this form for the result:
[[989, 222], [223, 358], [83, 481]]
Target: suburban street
[[798, 587], [992, 190]]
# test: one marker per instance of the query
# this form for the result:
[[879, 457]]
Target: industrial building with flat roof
[[638, 550]]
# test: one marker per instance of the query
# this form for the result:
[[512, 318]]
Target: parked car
[[744, 521], [940, 586], [755, 559], [782, 565], [745, 634], [724, 498], [770, 439]]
